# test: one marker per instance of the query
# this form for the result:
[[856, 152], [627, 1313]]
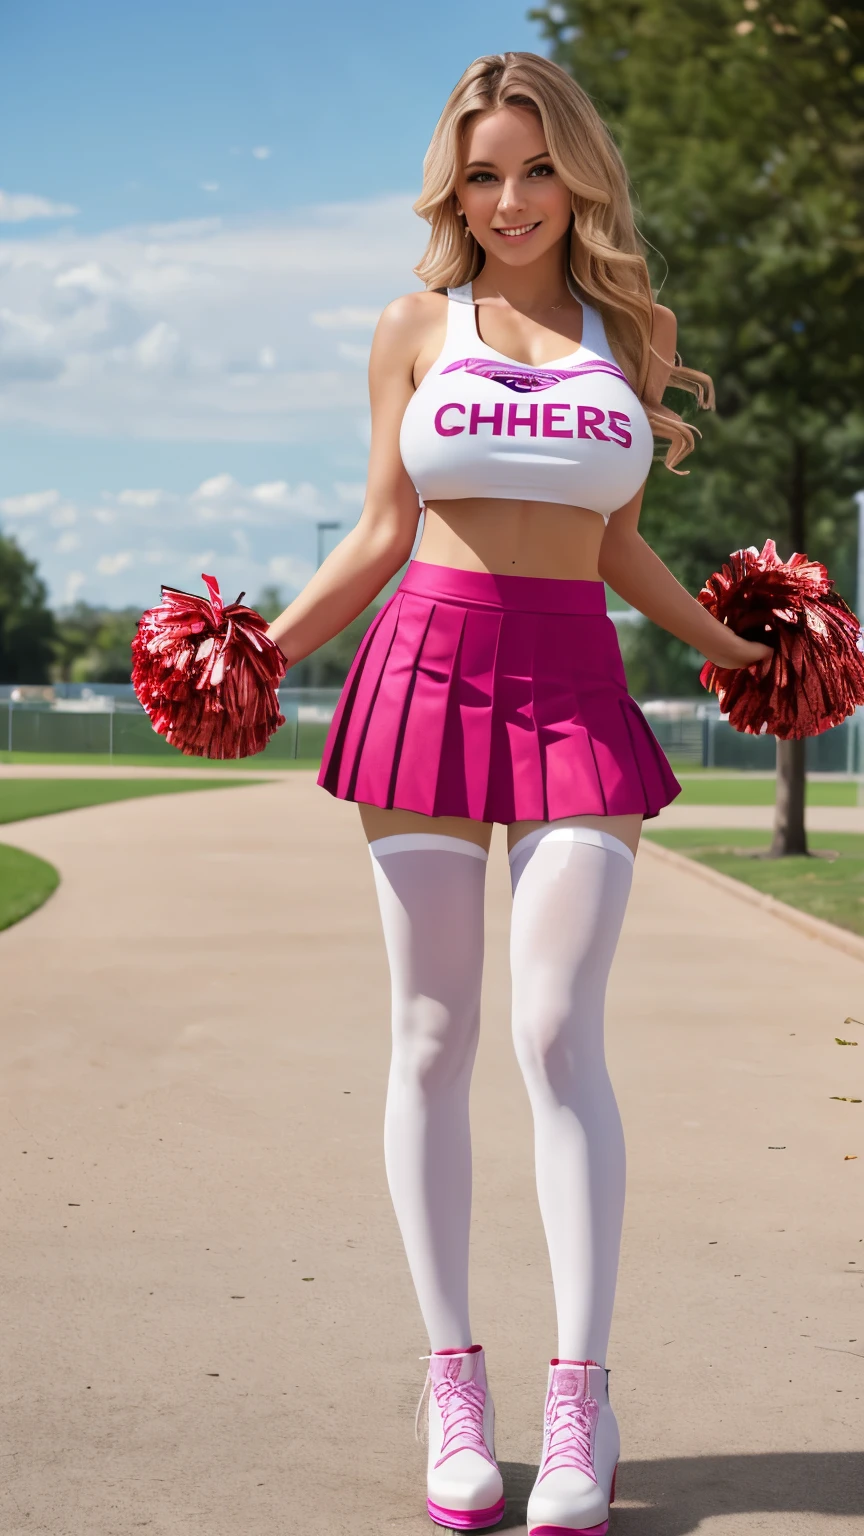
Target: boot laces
[[461, 1405], [572, 1421]]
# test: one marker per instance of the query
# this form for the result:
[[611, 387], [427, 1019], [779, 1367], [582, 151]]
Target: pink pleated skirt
[[499, 698]]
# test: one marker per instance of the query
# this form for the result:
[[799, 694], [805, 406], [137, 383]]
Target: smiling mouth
[[517, 229]]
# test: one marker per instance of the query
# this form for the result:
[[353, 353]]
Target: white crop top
[[480, 424]]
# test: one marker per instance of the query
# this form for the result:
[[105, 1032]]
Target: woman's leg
[[571, 882], [430, 879]]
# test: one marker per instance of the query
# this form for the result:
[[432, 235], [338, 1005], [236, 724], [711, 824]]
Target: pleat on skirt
[[499, 698]]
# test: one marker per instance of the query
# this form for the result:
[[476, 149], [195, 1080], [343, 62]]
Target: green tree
[[658, 665], [328, 666], [26, 622], [93, 644], [740, 124]]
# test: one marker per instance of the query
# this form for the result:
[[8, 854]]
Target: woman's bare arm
[[364, 561], [633, 570]]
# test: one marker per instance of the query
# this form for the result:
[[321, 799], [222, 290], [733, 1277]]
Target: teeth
[[522, 230]]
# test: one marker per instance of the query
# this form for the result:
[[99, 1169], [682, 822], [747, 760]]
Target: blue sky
[[202, 210]]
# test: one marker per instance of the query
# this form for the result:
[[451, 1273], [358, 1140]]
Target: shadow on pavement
[[682, 1492]]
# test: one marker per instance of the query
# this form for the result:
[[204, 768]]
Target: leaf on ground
[[851, 1157], [842, 1098], [838, 1041], [850, 1020]]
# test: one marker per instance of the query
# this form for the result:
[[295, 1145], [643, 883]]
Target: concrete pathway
[[207, 1326]]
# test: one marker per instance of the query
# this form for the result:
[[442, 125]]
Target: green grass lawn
[[830, 887], [741, 791], [23, 798], [25, 882], [177, 760]]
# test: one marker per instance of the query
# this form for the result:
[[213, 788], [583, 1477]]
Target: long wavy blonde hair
[[606, 257]]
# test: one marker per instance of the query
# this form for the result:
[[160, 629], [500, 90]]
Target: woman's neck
[[540, 289]]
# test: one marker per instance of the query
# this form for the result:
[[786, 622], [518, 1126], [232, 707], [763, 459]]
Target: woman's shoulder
[[664, 326], [411, 314]]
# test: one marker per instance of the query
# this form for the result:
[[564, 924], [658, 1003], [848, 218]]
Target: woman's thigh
[[381, 823], [627, 828]]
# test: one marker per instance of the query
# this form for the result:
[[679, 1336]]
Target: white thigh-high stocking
[[570, 890], [430, 890]]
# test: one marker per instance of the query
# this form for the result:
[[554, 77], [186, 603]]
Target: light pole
[[323, 528]]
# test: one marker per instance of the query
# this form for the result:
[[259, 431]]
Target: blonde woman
[[515, 402]]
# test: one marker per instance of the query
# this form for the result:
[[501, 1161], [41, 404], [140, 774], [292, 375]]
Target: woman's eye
[[546, 170], [481, 176]]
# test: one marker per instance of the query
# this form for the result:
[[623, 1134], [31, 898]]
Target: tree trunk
[[790, 834]]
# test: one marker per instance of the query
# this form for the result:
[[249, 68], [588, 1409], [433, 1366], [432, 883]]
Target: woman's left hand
[[733, 651]]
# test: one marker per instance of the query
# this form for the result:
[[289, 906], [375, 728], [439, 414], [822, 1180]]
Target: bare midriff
[[513, 538]]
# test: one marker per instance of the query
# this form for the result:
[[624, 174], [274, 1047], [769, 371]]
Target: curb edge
[[814, 927]]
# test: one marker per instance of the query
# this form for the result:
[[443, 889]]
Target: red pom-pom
[[207, 674], [816, 676]]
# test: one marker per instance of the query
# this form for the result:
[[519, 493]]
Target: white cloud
[[347, 318], [140, 498], [262, 152], [219, 485], [64, 517], [90, 276], [128, 541], [30, 504], [158, 348], [203, 561], [354, 493], [209, 186], [112, 565], [202, 329], [353, 352], [18, 207], [288, 569], [304, 499]]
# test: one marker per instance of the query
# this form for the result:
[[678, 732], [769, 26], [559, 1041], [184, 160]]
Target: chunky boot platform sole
[[582, 1530], [466, 1519]]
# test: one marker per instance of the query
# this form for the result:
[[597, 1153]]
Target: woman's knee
[[558, 1041], [434, 1044]]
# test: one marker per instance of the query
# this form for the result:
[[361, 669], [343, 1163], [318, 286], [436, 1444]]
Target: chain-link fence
[[114, 725]]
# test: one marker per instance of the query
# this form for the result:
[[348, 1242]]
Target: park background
[[207, 1323], [203, 213]]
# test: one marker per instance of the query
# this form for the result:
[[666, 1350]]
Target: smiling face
[[515, 203]]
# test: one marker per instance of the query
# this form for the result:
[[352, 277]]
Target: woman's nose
[[512, 195]]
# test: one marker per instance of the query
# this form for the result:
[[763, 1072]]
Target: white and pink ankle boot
[[464, 1487], [581, 1444]]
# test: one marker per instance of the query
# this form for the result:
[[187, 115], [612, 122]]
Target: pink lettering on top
[[553, 415], [528, 419], [618, 424], [496, 420], [439, 420], [589, 418]]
